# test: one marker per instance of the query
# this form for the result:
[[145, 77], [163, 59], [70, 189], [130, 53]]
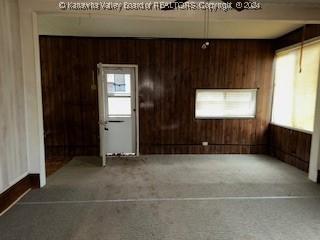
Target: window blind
[[225, 103], [294, 95]]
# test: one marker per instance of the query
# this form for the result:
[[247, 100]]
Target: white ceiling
[[276, 18], [126, 27]]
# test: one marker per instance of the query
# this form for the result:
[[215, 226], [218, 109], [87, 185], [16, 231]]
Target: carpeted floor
[[170, 197]]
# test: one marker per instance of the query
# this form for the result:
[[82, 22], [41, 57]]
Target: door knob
[[107, 129]]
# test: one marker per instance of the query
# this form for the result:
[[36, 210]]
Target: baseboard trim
[[199, 149], [8, 197]]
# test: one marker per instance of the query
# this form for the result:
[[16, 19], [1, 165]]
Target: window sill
[[225, 118]]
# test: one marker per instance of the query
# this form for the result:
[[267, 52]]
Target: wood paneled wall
[[170, 70], [290, 146], [70, 107]]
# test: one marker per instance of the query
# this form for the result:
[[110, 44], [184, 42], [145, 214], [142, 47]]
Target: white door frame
[[135, 67]]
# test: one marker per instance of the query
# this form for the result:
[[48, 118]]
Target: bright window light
[[294, 95], [119, 106], [225, 103], [118, 84]]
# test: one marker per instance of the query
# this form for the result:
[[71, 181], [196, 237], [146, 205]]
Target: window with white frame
[[225, 103], [119, 94], [294, 94]]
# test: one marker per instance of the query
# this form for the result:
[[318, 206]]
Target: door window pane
[[119, 106], [119, 84]]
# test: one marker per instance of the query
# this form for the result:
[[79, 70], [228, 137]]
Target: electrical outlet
[[205, 143]]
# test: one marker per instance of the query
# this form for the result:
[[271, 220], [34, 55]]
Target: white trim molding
[[315, 144]]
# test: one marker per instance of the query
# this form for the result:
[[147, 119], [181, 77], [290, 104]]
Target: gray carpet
[[170, 197]]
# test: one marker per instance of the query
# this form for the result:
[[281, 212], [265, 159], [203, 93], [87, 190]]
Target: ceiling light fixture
[[205, 45]]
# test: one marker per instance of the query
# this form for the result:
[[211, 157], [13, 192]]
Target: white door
[[117, 110]]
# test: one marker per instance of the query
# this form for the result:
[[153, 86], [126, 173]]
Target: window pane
[[295, 92], [119, 84], [119, 106], [225, 103], [283, 91]]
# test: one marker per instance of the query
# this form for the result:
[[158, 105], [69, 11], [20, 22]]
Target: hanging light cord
[[301, 48], [206, 19], [206, 24]]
